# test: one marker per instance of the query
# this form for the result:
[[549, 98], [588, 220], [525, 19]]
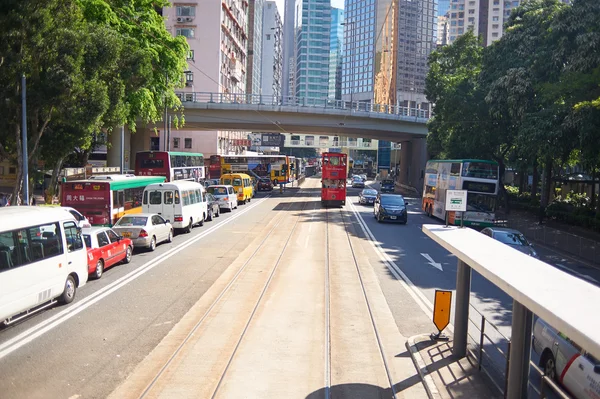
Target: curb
[[419, 363]]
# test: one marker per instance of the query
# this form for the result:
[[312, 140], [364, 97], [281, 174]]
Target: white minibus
[[183, 203], [42, 259]]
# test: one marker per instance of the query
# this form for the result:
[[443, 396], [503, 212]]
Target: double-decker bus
[[172, 165], [334, 175], [275, 167], [479, 177], [103, 199], [214, 167]]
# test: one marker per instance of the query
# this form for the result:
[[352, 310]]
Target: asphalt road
[[429, 267], [86, 349]]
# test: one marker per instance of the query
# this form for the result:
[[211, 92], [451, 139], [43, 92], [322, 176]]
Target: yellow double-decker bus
[[275, 167]]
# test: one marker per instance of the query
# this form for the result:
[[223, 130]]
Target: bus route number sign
[[456, 200]]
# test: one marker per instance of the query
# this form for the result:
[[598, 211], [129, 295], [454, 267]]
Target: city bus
[[479, 177], [214, 167], [334, 175], [275, 167], [42, 259], [103, 199], [172, 165]]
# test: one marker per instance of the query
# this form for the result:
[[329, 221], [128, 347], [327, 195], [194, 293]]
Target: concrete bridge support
[[113, 150], [413, 157]]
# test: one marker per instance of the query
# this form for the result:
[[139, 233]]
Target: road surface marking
[[432, 263]]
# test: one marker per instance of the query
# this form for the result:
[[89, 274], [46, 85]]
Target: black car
[[390, 207], [212, 204], [367, 196], [387, 186]]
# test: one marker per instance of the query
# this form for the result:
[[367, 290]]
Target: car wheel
[[170, 236], [249, 199], [188, 228], [69, 292], [209, 217], [128, 253], [152, 246], [99, 269], [548, 364]]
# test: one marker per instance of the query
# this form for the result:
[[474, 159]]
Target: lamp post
[[352, 55]]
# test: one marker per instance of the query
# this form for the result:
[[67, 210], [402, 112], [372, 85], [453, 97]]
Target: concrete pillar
[[416, 172], [461, 309], [405, 162], [113, 150], [520, 352], [140, 141]]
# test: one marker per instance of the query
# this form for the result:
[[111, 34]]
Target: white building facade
[[272, 55]]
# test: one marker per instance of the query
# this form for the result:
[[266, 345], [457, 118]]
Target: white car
[[566, 362], [144, 229], [82, 221]]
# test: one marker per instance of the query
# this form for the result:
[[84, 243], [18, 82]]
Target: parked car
[[367, 196], [265, 184], [511, 237], [212, 206], [82, 221], [387, 186], [358, 183], [390, 207], [226, 196], [566, 362], [146, 230], [105, 248]]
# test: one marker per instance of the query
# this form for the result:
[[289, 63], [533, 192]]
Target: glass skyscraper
[[312, 27], [335, 54]]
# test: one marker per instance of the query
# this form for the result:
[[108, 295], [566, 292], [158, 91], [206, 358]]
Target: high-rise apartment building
[[272, 56], [288, 88], [336, 45], [217, 33], [443, 30], [255, 36], [312, 27]]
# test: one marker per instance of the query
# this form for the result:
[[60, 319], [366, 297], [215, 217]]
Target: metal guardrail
[[260, 99]]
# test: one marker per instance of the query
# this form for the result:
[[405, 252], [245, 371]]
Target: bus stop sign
[[441, 310], [456, 200]]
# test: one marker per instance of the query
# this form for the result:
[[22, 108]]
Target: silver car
[[226, 195], [145, 229], [511, 237]]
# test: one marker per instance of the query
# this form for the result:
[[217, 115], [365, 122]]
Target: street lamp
[[352, 56]]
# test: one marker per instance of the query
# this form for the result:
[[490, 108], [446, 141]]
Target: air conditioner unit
[[179, 19], [189, 19]]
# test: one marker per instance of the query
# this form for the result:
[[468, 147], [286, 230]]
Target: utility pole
[[24, 140]]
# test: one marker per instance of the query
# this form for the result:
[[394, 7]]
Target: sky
[[280, 4]]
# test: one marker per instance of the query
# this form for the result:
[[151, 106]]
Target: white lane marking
[[432, 263], [583, 276], [421, 300], [36, 331]]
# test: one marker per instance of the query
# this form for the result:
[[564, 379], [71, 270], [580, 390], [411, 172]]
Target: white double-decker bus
[[42, 258], [479, 177]]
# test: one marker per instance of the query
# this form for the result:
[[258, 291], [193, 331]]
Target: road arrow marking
[[432, 263]]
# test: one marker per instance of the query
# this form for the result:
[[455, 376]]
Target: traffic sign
[[441, 309], [456, 200]]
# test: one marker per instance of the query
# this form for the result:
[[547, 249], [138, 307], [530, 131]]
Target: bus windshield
[[481, 202], [482, 170]]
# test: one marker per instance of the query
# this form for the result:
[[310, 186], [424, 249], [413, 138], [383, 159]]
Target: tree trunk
[[522, 180], [593, 199], [535, 180], [15, 200], [53, 187], [547, 185]]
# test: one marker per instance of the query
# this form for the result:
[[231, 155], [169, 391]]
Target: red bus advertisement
[[334, 175], [172, 165]]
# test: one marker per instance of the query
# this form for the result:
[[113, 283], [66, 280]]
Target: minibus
[[242, 183], [183, 203], [42, 259]]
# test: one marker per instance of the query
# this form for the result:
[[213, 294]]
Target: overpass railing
[[565, 302], [289, 101]]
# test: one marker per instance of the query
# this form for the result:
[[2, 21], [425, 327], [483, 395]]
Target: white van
[[183, 203], [42, 258]]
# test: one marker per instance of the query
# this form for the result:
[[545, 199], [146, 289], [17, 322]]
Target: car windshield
[[392, 200], [237, 182], [387, 182], [88, 240], [370, 192], [127, 221], [511, 238]]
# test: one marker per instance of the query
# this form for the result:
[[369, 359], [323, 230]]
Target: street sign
[[456, 200], [441, 309]]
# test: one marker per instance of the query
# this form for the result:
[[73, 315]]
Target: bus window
[[118, 199], [455, 169], [155, 197], [74, 241], [168, 197], [177, 200], [145, 200], [335, 161], [237, 182]]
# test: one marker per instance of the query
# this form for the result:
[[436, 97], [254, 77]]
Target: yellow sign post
[[441, 312]]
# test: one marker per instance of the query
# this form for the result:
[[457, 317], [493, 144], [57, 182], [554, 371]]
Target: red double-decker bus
[[214, 167], [334, 175]]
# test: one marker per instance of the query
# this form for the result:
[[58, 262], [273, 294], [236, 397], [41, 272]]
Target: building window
[[268, 36], [188, 143], [185, 32], [495, 34], [186, 11], [154, 143], [190, 56], [175, 142], [189, 78], [495, 19]]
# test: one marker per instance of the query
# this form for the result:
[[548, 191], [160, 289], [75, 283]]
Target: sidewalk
[[444, 376]]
